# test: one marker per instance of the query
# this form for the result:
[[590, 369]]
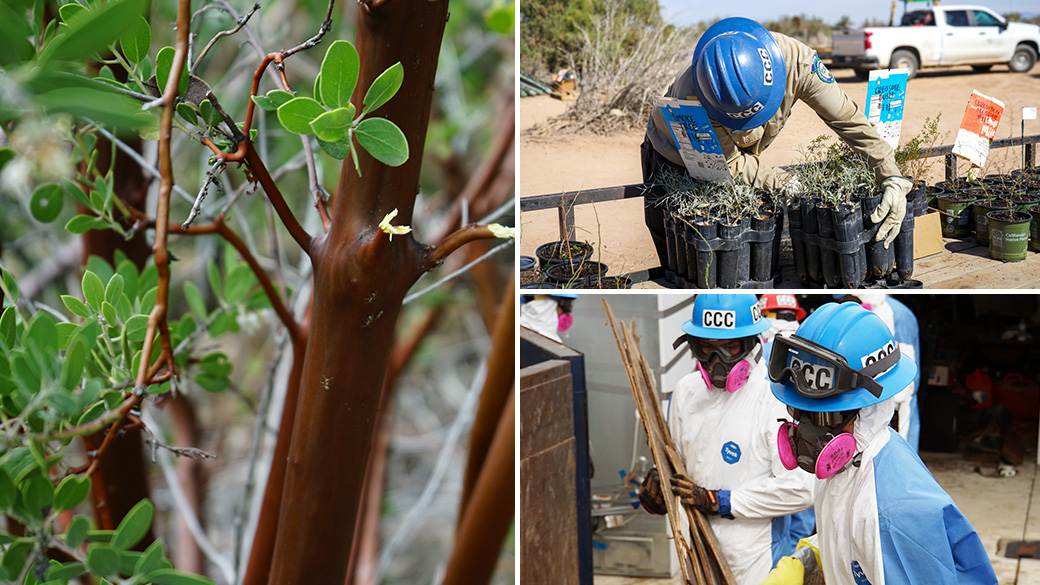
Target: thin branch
[[184, 507], [211, 177], [241, 22], [458, 272], [435, 256], [144, 164]]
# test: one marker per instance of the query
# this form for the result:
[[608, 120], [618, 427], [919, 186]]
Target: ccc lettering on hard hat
[[716, 319], [756, 313], [878, 354], [786, 301], [814, 376], [767, 67], [748, 112]]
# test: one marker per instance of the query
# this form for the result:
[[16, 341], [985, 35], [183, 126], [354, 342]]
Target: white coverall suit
[[728, 442], [887, 522], [540, 315]]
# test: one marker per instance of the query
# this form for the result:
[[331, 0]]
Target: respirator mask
[[564, 322], [815, 442], [720, 369]]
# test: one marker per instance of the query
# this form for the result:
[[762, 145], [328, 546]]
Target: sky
[[693, 11]]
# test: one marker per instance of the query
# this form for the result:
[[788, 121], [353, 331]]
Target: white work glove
[[892, 208], [793, 187]]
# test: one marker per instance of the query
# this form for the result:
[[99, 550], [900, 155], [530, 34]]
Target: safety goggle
[[818, 372], [719, 348], [781, 314], [822, 419]]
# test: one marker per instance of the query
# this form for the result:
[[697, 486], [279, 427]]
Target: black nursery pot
[[811, 226], [562, 252], [801, 264], [761, 268], [681, 270], [701, 253], [848, 225], [567, 275], [904, 249], [880, 260], [669, 242], [735, 254], [828, 255]]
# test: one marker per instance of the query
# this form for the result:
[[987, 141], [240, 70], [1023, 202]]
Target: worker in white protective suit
[[881, 518], [720, 418], [547, 314], [903, 323]]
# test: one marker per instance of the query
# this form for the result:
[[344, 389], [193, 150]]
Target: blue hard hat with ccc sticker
[[842, 357], [725, 317], [739, 74]]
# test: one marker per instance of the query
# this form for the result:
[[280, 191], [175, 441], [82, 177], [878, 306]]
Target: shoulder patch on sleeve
[[821, 70]]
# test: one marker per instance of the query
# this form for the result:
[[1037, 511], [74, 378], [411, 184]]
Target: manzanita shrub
[[74, 74]]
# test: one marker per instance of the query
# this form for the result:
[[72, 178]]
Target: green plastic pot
[[1008, 235], [1034, 228], [955, 209], [980, 209]]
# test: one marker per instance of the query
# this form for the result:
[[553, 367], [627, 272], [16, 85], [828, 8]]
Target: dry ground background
[[554, 163]]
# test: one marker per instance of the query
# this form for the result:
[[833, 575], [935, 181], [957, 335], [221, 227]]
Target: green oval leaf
[[173, 577], [42, 334], [338, 149], [83, 223], [279, 97], [75, 305], [46, 203], [102, 560], [163, 66], [114, 289], [339, 74], [136, 328], [134, 526], [136, 41], [384, 87], [151, 559], [264, 102], [8, 491], [331, 126], [184, 110], [72, 365], [195, 300], [69, 12], [77, 531], [65, 572], [296, 114], [37, 493], [93, 290], [71, 491], [90, 33], [383, 140]]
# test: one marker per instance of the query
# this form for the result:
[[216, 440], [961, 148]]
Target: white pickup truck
[[939, 36]]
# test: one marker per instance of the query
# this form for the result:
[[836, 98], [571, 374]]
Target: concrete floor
[[1002, 509]]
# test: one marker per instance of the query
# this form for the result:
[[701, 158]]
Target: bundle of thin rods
[[702, 561]]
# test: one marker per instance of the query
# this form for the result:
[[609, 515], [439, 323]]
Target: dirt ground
[[559, 163]]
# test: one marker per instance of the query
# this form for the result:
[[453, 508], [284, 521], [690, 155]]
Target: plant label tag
[[978, 127], [886, 95], [1029, 113], [695, 139]]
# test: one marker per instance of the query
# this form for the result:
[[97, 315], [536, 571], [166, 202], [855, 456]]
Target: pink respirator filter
[[735, 380], [834, 456]]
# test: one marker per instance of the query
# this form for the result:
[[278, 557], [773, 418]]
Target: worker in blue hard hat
[[720, 418], [748, 79], [880, 515], [548, 314]]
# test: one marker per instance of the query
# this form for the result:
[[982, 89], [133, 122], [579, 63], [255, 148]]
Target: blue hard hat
[[564, 295], [739, 74], [718, 316], [855, 334]]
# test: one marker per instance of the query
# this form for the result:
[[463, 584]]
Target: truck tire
[[861, 73], [981, 68], [903, 59], [1023, 59]]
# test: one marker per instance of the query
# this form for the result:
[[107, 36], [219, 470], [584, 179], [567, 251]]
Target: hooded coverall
[[887, 522], [728, 442], [539, 315], [809, 81]]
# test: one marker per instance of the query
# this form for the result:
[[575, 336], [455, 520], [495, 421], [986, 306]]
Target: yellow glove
[[803, 543], [788, 571]]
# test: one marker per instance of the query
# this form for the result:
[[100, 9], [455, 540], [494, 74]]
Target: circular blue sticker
[[858, 575], [731, 452], [821, 70]]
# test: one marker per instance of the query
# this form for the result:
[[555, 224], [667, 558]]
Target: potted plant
[[562, 252]]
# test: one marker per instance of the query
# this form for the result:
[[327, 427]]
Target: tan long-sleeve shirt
[[807, 80]]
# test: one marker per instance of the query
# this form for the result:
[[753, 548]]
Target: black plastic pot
[[763, 227], [778, 235], [701, 263], [848, 228], [526, 263], [811, 227], [931, 192], [1023, 200], [566, 275], [1034, 228], [549, 253], [828, 253], [801, 264], [917, 199], [682, 272], [532, 276], [880, 260], [669, 242], [904, 249], [605, 283], [734, 254]]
